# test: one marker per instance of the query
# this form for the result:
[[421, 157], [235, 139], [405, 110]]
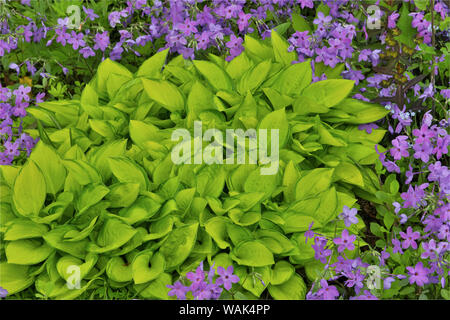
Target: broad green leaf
[[280, 49], [178, 245], [349, 173], [164, 93], [282, 271], [216, 76], [292, 289], [126, 170], [329, 92], [83, 172], [24, 229], [252, 253], [14, 278], [114, 234], [55, 239], [253, 78], [29, 201], [27, 252], [276, 120], [294, 79], [216, 227], [142, 209], [119, 270], [147, 267], [122, 194], [50, 164], [314, 182], [152, 67]]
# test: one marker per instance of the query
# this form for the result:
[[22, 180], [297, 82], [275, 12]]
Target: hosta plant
[[107, 198]]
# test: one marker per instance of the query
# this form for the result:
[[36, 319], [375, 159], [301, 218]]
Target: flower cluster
[[203, 286], [13, 104]]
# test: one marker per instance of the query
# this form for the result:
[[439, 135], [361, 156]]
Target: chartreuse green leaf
[[82, 171], [314, 182], [216, 227], [217, 77], [294, 79], [29, 201], [255, 279], [126, 170], [156, 289], [275, 120], [152, 67], [329, 92], [27, 252], [253, 78], [119, 270], [122, 194], [20, 229], [142, 209], [55, 238], [280, 49], [14, 278], [178, 245], [292, 289], [349, 173], [49, 162], [147, 266], [106, 68], [113, 234], [362, 112], [164, 93], [282, 271], [256, 49], [66, 263], [252, 253]]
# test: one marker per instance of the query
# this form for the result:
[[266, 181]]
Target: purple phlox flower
[[397, 206], [364, 55], [22, 93], [442, 144], [428, 92], [366, 296], [309, 234], [321, 253], [14, 66], [114, 17], [321, 19], [90, 13], [444, 232], [242, 21], [326, 291], [409, 175], [409, 238], [203, 40], [396, 246], [76, 40], [387, 282], [188, 27], [349, 216], [355, 279], [423, 150], [226, 277], [345, 241], [306, 3], [419, 21], [418, 274], [198, 275], [342, 265], [392, 19], [400, 148], [430, 250], [383, 256], [445, 93], [87, 52], [101, 41], [3, 292], [178, 289], [40, 97], [355, 75], [403, 218], [368, 127]]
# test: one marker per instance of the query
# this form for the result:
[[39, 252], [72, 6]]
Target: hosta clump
[[107, 198]]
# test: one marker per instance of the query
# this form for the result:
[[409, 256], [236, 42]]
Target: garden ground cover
[[95, 96]]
